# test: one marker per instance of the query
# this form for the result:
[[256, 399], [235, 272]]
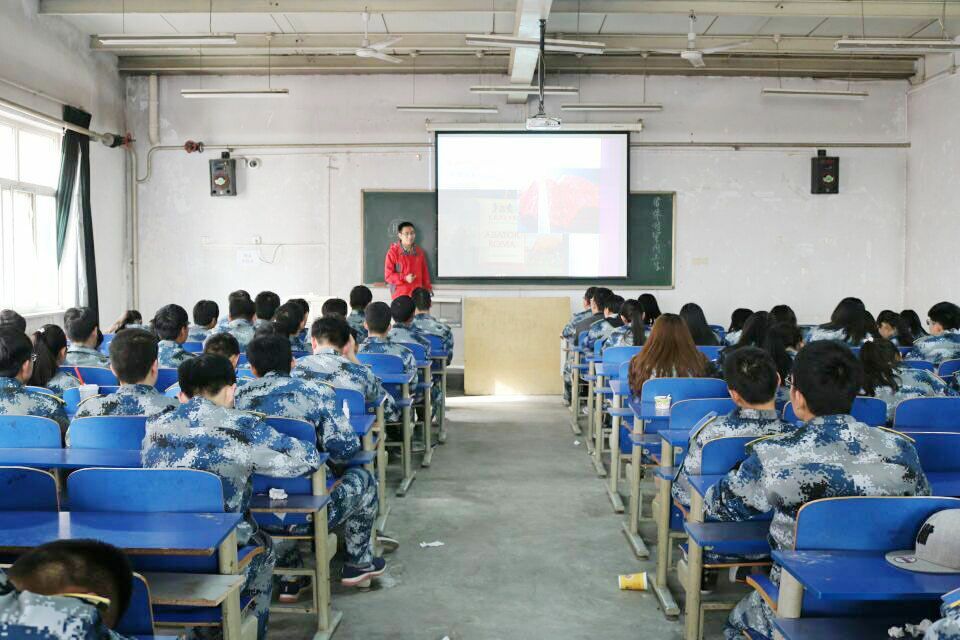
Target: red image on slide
[[573, 203]]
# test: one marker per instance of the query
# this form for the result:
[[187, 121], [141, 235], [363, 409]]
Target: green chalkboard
[[650, 225]]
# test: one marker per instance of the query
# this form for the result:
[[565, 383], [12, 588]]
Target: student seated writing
[[887, 379], [16, 367], [830, 455], [205, 314], [50, 348], [80, 325], [172, 326], [205, 432], [943, 343], [133, 359]]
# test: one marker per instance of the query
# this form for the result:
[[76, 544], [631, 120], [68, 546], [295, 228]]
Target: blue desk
[[836, 628], [675, 437], [700, 484], [362, 458], [620, 387], [945, 483], [362, 424], [135, 533], [730, 538], [70, 458]]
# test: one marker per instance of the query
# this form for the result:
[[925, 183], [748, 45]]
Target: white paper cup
[[661, 404], [88, 391]]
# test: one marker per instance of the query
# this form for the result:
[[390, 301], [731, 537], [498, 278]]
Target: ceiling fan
[[375, 50], [693, 55]]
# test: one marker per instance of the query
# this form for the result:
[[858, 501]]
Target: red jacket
[[399, 263]]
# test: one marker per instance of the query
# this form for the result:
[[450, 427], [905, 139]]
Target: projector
[[541, 122]]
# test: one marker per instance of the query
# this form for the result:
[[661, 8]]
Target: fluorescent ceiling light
[[522, 126], [449, 108], [200, 40], [610, 107], [896, 45], [549, 44], [815, 93], [524, 88], [234, 93]]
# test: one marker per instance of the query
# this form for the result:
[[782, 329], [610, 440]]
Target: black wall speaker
[[825, 174]]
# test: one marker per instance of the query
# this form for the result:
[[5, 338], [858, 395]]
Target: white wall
[[50, 56], [933, 211], [748, 230]]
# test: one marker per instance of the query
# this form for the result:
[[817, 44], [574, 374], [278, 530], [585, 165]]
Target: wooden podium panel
[[511, 345]]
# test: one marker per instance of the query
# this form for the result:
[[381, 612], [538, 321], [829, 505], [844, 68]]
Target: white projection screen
[[521, 205]]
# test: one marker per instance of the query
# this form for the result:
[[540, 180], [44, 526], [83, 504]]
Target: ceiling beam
[[523, 60]]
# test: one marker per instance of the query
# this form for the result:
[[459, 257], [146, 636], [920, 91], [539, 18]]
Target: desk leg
[[383, 509], [631, 526], [427, 421], [613, 489], [442, 438], [598, 431], [575, 394], [790, 598], [408, 473], [667, 603], [230, 608], [694, 574], [590, 394]]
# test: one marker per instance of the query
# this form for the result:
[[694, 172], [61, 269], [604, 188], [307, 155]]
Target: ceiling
[[788, 38]]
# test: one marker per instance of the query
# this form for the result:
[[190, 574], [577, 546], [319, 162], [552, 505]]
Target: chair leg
[[407, 447]]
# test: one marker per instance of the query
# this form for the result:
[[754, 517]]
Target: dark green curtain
[[74, 162]]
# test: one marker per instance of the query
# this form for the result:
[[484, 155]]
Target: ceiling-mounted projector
[[541, 122]]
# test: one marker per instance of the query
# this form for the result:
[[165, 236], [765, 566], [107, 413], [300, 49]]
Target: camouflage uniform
[[600, 330], [830, 456], [29, 615], [15, 400], [353, 501], [739, 422], [171, 354], [620, 337], [837, 335], [327, 365], [62, 381], [579, 316], [79, 356], [408, 333], [947, 627], [914, 383], [196, 333], [732, 338], [241, 329], [128, 400], [936, 349], [297, 344], [429, 325], [356, 320], [373, 344], [260, 322], [585, 322], [233, 445]]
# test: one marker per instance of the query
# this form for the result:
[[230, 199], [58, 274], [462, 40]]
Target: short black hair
[[613, 303], [829, 376], [403, 225], [222, 344], [239, 293], [600, 297], [242, 308], [169, 321], [287, 319], [205, 312], [207, 373], [10, 318], [303, 304], [378, 317], [360, 297], [751, 372], [87, 564], [588, 294], [402, 309], [266, 304], [422, 299], [946, 314], [132, 353], [15, 349], [331, 329], [269, 353], [79, 323], [334, 305]]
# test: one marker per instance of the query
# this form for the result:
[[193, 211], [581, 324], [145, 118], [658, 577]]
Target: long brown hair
[[669, 352]]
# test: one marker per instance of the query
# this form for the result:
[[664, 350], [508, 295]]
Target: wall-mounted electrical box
[[223, 176]]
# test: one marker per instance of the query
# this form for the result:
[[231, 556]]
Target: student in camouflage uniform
[[752, 381], [338, 307], [947, 627], [133, 359], [580, 315], [66, 590], [600, 295], [172, 326], [943, 343], [205, 432], [622, 336], [205, 314], [378, 325], [16, 367], [848, 324], [240, 325], [80, 324], [266, 304], [50, 347], [360, 297], [402, 311], [334, 362], [887, 379], [427, 324], [353, 500], [287, 322], [304, 334], [831, 455], [611, 321], [234, 295]]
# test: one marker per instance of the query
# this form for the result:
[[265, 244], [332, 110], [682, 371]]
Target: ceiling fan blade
[[696, 63], [389, 42], [385, 57], [671, 52], [726, 47]]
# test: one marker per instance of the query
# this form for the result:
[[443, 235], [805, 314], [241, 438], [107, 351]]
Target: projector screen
[[526, 205]]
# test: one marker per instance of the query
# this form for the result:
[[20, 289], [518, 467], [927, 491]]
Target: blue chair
[[870, 411], [245, 373], [165, 378], [686, 413], [92, 375], [71, 397], [137, 620], [24, 489], [29, 432], [436, 345], [243, 359], [927, 414], [720, 455], [947, 368], [297, 354], [353, 399], [938, 452], [616, 357], [712, 353], [107, 432], [104, 347], [419, 353], [720, 331], [173, 390], [192, 347], [923, 365], [301, 430]]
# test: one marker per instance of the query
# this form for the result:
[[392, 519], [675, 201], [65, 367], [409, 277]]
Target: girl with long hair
[[737, 318], [651, 310], [631, 313], [703, 335], [668, 353], [849, 324], [886, 378], [50, 347]]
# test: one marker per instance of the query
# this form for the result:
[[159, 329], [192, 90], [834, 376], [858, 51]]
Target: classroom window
[[29, 172]]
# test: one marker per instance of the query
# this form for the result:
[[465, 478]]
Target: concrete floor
[[531, 549]]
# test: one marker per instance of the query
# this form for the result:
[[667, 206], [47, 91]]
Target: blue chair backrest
[[683, 389], [870, 411], [947, 368], [245, 373], [104, 347], [92, 375], [928, 414], [301, 430], [173, 390], [720, 455], [137, 620], [192, 347], [686, 413], [918, 364], [296, 354], [581, 337], [937, 451], [382, 362], [108, 432], [436, 344], [624, 372], [145, 490], [354, 399], [165, 378], [29, 432], [712, 353], [418, 351], [621, 356], [717, 329], [71, 397], [865, 523], [23, 489], [243, 359]]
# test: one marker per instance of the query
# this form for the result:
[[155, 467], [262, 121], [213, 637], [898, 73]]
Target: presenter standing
[[405, 267]]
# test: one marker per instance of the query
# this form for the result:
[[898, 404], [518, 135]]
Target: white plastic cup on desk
[[661, 405]]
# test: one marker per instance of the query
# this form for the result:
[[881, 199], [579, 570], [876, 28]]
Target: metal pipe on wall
[[153, 111], [108, 139]]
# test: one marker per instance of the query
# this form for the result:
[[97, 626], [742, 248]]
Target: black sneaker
[[291, 590], [361, 576]]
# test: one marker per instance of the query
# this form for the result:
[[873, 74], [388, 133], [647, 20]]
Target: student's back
[[848, 324], [943, 343], [887, 379], [669, 352], [703, 335]]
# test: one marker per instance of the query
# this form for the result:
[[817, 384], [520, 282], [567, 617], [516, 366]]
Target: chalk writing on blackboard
[[657, 228]]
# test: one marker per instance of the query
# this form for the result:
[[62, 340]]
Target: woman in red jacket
[[405, 268]]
